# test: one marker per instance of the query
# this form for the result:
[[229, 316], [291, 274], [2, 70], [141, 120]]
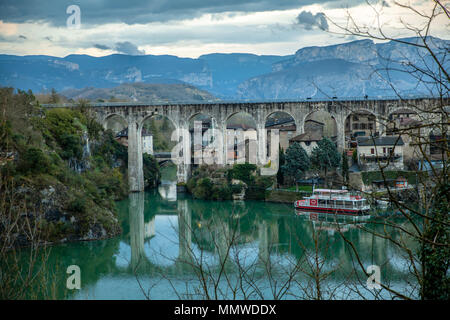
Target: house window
[[355, 118], [384, 150], [355, 126], [372, 151]]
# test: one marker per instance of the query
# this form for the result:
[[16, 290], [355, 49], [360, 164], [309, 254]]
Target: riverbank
[[285, 196], [62, 174]]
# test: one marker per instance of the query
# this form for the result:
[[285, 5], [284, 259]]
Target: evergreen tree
[[281, 162], [54, 97], [325, 156], [345, 173], [296, 162]]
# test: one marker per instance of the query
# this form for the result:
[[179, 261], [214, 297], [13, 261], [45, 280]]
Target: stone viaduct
[[134, 114]]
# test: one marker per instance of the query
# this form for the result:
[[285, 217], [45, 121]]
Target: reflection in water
[[165, 244], [168, 190], [137, 227], [333, 223]]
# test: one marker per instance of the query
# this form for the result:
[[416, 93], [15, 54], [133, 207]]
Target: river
[[176, 247]]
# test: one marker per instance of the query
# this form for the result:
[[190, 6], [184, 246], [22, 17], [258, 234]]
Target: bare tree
[[425, 232]]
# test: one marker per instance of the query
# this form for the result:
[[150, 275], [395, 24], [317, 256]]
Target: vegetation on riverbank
[[61, 171], [213, 183]]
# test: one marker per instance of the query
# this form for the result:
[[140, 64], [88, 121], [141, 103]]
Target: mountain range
[[352, 69]]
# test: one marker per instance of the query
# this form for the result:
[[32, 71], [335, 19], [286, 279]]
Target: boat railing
[[336, 206]]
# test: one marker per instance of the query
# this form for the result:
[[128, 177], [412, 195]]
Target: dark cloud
[[141, 11], [308, 20], [22, 37], [101, 47], [128, 48]]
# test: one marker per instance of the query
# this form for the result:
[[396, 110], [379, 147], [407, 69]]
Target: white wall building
[[385, 150]]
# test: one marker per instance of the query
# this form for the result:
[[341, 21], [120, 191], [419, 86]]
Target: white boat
[[334, 201]]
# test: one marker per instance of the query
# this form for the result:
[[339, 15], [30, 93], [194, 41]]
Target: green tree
[[345, 173], [297, 162], [281, 163], [54, 97], [355, 156], [244, 172], [325, 156], [435, 255]]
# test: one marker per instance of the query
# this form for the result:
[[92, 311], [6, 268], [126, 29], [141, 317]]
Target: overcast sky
[[189, 28]]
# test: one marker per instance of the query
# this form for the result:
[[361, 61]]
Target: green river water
[[176, 247]]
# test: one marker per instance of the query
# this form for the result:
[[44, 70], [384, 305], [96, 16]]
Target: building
[[286, 127], [147, 140], [385, 150], [307, 140], [402, 114], [361, 124], [314, 126]]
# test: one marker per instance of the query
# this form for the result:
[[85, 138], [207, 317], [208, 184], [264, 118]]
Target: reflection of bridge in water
[[168, 190], [173, 244], [171, 241], [178, 246]]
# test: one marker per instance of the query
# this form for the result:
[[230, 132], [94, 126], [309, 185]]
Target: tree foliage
[[297, 161], [345, 172], [281, 163], [325, 156]]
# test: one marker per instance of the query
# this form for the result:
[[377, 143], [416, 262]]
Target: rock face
[[356, 52], [50, 208], [352, 69], [229, 70]]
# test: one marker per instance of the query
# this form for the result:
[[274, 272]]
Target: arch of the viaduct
[[180, 114]]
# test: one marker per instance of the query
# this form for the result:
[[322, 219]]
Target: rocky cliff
[[353, 69]]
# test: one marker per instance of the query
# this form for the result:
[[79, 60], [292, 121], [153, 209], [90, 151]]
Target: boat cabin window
[[349, 204], [322, 202]]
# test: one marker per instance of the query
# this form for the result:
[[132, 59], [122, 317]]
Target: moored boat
[[334, 201]]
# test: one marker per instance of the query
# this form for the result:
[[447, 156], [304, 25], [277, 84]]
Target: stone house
[[385, 150], [360, 124], [307, 140], [286, 129]]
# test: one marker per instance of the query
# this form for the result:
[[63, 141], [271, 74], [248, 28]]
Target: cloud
[[128, 48], [143, 11], [101, 47], [308, 20], [22, 37]]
